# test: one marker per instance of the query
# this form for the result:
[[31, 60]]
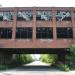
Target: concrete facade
[[37, 43], [53, 43]]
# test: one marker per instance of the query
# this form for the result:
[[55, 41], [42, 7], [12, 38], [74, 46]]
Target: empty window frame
[[64, 32], [24, 33], [24, 16], [63, 16], [44, 15], [5, 33], [6, 16], [44, 33]]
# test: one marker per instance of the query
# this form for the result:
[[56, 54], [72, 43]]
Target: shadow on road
[[36, 68], [33, 70]]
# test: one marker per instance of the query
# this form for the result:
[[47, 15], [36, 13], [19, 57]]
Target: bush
[[4, 67], [63, 67], [23, 58], [72, 49], [7, 66], [72, 67], [71, 57], [48, 58]]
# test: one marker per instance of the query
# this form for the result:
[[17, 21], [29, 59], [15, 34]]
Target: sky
[[37, 3], [35, 56]]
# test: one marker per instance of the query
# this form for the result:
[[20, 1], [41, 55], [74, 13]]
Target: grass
[[4, 67]]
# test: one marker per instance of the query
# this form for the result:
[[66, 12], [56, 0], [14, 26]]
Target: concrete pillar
[[14, 24], [61, 57], [34, 24], [54, 24], [6, 58], [73, 26]]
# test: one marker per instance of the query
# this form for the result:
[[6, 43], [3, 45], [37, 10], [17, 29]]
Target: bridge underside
[[35, 50], [7, 54]]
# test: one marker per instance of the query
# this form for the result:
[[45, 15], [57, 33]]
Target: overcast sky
[[41, 3]]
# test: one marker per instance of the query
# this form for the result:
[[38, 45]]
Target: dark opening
[[44, 33], [64, 32], [5, 33], [24, 33]]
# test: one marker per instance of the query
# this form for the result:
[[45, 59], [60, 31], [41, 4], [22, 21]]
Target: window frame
[[11, 14], [68, 35], [65, 18], [22, 31], [44, 11], [6, 33], [46, 34], [21, 18]]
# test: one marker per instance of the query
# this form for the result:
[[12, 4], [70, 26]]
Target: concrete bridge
[[36, 30]]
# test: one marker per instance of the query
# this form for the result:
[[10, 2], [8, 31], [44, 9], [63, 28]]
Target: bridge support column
[[6, 58], [61, 57]]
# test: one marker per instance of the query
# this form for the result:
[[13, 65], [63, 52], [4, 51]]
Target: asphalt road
[[37, 69], [33, 70], [37, 63]]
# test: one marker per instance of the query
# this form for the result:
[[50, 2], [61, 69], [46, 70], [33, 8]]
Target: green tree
[[71, 57], [48, 58], [23, 58]]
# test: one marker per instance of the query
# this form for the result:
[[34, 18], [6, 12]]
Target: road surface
[[44, 69], [37, 63]]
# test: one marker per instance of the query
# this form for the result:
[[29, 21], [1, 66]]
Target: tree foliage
[[23, 58], [72, 49], [71, 57], [48, 58]]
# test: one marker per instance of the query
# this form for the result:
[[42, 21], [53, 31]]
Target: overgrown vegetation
[[7, 66], [20, 59], [23, 58], [71, 57], [3, 67], [48, 58], [69, 63], [52, 59], [62, 66]]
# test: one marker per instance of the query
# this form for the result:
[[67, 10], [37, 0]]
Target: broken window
[[44, 15], [63, 16], [64, 32], [24, 15], [6, 16], [1, 16], [5, 33], [24, 33], [44, 33]]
